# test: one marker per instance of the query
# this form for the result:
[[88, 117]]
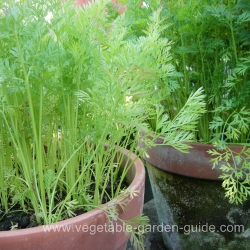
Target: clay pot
[[87, 231], [191, 205]]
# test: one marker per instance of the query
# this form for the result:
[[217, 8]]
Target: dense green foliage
[[211, 42], [71, 81], [211, 49]]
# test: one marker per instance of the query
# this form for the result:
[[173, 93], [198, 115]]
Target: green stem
[[38, 148]]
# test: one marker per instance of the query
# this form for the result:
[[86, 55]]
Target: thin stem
[[37, 141]]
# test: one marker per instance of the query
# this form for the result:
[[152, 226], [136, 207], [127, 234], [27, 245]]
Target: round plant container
[[90, 230], [191, 205]]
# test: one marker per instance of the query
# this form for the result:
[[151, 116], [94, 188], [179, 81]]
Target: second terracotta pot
[[191, 205]]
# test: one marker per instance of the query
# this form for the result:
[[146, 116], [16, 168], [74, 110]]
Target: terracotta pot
[[87, 231], [172, 160], [191, 205]]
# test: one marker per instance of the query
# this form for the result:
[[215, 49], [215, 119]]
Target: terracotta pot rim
[[160, 140], [195, 164], [137, 180]]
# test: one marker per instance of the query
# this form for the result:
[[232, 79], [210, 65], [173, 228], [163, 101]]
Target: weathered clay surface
[[197, 215]]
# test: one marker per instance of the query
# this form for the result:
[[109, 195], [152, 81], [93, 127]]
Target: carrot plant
[[75, 85], [210, 45], [211, 50]]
